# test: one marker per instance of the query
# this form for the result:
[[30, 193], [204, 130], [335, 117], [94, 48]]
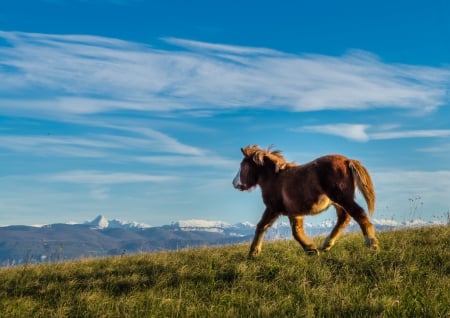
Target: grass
[[409, 277]]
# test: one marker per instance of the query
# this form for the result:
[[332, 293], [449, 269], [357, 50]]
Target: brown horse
[[308, 189]]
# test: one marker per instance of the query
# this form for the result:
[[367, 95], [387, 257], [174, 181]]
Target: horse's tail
[[364, 183]]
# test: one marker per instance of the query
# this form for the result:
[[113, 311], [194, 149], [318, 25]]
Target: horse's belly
[[322, 203], [300, 206]]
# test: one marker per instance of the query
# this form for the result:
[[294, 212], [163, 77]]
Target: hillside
[[409, 277]]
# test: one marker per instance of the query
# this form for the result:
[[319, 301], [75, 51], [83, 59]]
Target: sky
[[137, 110]]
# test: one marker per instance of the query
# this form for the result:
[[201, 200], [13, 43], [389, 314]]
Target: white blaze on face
[[237, 179]]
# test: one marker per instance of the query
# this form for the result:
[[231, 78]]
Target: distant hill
[[101, 237]]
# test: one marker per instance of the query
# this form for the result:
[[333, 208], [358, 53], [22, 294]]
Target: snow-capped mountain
[[243, 228], [101, 222], [202, 225], [101, 237]]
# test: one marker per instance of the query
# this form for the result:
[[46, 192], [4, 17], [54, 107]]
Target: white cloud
[[360, 132], [431, 133], [52, 75], [98, 177], [135, 139], [100, 193], [184, 161], [349, 131], [443, 148], [52, 145], [164, 142], [221, 48]]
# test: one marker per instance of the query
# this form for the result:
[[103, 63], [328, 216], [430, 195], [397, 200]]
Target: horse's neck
[[268, 179]]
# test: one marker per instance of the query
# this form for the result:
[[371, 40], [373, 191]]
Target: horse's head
[[255, 162], [246, 178]]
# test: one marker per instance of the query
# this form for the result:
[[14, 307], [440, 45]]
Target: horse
[[307, 189]]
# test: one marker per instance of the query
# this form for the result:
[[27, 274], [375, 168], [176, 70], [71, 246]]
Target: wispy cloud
[[441, 149], [54, 75], [164, 142], [50, 145], [221, 48], [349, 131], [204, 161], [424, 133], [125, 141], [97, 177], [362, 132], [99, 192]]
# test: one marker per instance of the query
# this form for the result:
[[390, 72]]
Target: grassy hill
[[409, 277]]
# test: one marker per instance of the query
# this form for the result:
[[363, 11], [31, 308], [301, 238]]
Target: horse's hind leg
[[358, 214], [343, 218], [299, 234]]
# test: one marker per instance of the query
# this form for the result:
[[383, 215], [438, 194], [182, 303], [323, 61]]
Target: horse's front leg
[[299, 234], [266, 221]]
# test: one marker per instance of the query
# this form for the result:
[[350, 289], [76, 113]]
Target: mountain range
[[21, 244]]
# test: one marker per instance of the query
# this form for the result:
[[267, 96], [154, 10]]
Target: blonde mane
[[275, 156]]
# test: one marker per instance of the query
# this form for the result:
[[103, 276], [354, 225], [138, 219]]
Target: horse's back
[[334, 159], [326, 173], [326, 165]]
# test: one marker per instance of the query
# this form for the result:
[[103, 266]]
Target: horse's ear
[[243, 152]]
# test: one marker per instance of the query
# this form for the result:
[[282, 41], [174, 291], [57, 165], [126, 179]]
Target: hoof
[[253, 254], [327, 245], [312, 252], [372, 243]]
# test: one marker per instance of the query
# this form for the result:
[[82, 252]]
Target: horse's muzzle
[[237, 181]]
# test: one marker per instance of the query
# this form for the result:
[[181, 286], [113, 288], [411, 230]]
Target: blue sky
[[137, 109]]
